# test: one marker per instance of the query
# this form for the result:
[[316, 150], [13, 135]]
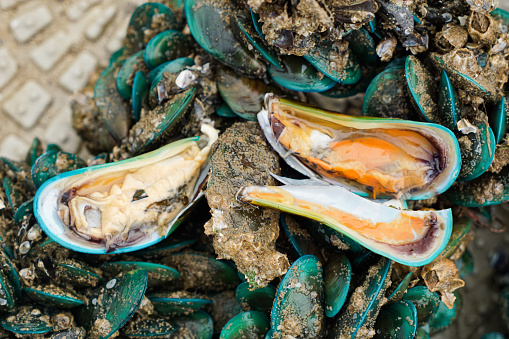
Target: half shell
[[413, 238], [369, 156], [127, 205]]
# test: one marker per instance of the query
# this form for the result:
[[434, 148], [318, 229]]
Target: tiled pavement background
[[48, 49]]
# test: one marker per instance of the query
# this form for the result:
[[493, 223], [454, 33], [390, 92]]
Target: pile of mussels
[[300, 222]]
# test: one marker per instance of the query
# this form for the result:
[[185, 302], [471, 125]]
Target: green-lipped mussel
[[413, 238], [370, 156], [127, 205]]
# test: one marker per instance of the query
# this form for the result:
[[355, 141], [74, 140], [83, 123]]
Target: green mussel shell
[[396, 320], [113, 110], [425, 301], [34, 151], [478, 152], [258, 299], [199, 323], [143, 21], [422, 89], [209, 20], [148, 328], [28, 322], [387, 96], [300, 75], [300, 297], [53, 163], [166, 46], [498, 120], [53, 296], [448, 109], [170, 304], [337, 275], [445, 316], [488, 189], [119, 299], [157, 274], [396, 293], [248, 325], [352, 320], [140, 94], [132, 65]]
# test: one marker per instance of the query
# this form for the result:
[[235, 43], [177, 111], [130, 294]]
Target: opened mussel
[[413, 238], [369, 156], [127, 205]]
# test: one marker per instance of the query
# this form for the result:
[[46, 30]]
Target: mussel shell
[[53, 163], [34, 152], [46, 200], [133, 64], [118, 300], [445, 316], [70, 333], [396, 291], [364, 304], [488, 189], [245, 23], [477, 152], [148, 328], [199, 323], [319, 57], [422, 88], [251, 324], [77, 274], [166, 46], [209, 20], [139, 94], [169, 305], [387, 96], [157, 274], [300, 300], [300, 75], [447, 103], [425, 301], [29, 323], [243, 95], [142, 21], [336, 207], [337, 275], [55, 297], [498, 120], [113, 111], [259, 299], [442, 138], [397, 320]]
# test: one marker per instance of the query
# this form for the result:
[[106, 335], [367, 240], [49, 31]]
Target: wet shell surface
[[126, 205], [369, 156]]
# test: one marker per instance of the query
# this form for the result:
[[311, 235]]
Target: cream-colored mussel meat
[[126, 202]]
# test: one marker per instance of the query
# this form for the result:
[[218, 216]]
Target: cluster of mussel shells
[[178, 289], [166, 81]]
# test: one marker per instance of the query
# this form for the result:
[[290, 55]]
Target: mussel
[[413, 238], [127, 205], [381, 158]]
